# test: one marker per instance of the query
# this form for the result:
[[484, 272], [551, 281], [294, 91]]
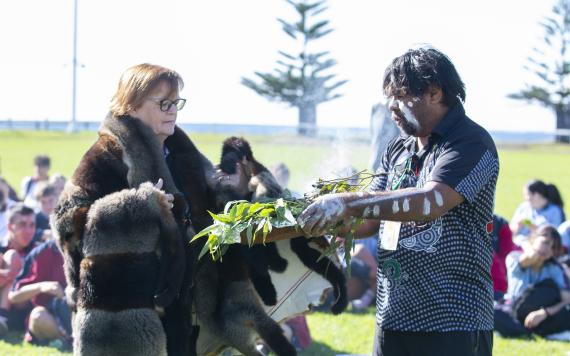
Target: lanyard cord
[[396, 185], [416, 171]]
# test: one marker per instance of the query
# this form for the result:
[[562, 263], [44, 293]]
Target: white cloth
[[299, 289], [4, 219]]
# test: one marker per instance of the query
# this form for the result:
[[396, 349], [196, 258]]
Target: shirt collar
[[451, 118]]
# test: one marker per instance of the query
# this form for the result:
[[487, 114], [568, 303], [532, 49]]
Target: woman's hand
[[530, 257], [167, 198], [533, 319], [322, 215]]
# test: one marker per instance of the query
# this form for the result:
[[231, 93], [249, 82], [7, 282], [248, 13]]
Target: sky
[[214, 43]]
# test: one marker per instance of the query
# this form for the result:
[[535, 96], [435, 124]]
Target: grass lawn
[[307, 160], [351, 333]]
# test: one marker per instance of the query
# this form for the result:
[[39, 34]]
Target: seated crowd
[[530, 267], [31, 266]]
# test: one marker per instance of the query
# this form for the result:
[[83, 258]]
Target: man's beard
[[410, 128], [409, 123]]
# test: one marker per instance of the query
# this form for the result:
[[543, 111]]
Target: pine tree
[[550, 63], [302, 80]]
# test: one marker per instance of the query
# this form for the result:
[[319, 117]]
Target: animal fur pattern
[[124, 248], [263, 258], [233, 315]]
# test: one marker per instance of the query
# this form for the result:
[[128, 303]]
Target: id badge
[[390, 235]]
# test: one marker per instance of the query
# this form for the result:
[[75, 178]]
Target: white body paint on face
[[376, 211], [427, 206], [409, 115], [395, 207], [438, 198], [406, 205], [366, 212]]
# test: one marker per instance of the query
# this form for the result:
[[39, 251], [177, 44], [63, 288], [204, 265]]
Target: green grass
[[12, 345], [350, 333], [550, 163], [307, 160], [347, 333], [17, 150]]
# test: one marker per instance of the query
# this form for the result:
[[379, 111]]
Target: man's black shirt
[[438, 278]]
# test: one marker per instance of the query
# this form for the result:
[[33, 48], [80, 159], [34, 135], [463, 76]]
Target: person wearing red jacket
[[502, 240]]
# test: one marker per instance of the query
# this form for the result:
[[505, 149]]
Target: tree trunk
[[563, 123], [307, 120]]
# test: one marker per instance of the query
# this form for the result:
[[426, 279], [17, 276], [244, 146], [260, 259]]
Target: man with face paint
[[432, 205]]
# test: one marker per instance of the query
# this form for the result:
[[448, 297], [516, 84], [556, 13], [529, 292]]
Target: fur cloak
[[125, 251]]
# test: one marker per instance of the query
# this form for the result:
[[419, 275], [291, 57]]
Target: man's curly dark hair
[[416, 70]]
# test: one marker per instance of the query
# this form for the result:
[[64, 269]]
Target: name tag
[[390, 235]]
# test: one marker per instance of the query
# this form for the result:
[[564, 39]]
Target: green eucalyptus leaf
[[249, 233], [204, 250], [204, 232], [266, 229], [220, 217]]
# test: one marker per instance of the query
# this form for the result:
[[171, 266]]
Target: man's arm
[[12, 263], [30, 291], [413, 204]]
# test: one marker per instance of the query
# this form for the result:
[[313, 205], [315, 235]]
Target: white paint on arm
[[332, 208], [395, 207], [427, 206], [438, 198], [376, 211], [406, 205], [366, 212]]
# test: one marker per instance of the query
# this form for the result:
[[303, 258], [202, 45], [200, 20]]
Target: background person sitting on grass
[[543, 205], [46, 197], [5, 203], [538, 297], [39, 288], [502, 242], [13, 248], [41, 174]]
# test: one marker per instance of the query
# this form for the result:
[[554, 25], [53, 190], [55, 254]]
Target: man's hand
[[325, 213], [533, 319], [53, 288]]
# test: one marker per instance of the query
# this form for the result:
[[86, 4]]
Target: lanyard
[[414, 164]]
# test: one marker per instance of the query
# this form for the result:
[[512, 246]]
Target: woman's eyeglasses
[[166, 104]]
